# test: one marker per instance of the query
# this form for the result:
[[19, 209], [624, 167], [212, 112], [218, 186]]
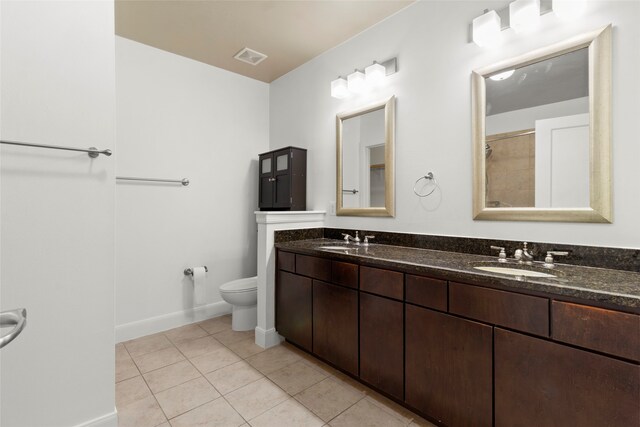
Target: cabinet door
[[293, 308], [266, 181], [282, 177], [381, 344], [448, 369], [335, 325], [542, 383]]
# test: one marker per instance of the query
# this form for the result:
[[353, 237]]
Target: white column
[[268, 223]]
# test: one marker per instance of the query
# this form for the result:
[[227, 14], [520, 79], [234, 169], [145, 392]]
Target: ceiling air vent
[[250, 56]]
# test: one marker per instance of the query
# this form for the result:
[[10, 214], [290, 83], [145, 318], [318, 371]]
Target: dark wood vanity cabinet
[[543, 383], [448, 369], [462, 354], [283, 180], [335, 325]]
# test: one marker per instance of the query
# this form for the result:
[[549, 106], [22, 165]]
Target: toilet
[[242, 294]]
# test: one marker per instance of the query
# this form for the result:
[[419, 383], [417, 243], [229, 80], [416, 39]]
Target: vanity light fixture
[[486, 29], [360, 82], [502, 76], [520, 15], [524, 14], [375, 74], [339, 88], [356, 82]]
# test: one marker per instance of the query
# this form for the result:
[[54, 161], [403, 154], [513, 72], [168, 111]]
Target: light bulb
[[375, 74], [486, 29], [524, 14], [502, 76], [356, 82], [339, 88]]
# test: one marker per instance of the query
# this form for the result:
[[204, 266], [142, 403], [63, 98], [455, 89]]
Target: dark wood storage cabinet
[[462, 354], [283, 180]]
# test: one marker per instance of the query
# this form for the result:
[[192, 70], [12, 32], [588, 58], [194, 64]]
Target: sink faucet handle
[[502, 257], [347, 237], [548, 260], [366, 239]]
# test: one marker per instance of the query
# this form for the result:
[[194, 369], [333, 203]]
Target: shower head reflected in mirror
[[487, 151]]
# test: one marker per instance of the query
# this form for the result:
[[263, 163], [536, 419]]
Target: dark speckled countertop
[[615, 289]]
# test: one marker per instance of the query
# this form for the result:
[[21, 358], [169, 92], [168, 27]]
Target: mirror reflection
[[364, 162], [537, 134]]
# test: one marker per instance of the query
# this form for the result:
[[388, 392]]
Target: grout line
[[239, 414]]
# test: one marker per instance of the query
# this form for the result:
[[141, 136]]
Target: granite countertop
[[606, 287]]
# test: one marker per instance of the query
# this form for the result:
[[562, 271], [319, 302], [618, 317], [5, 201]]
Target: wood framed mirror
[[541, 128], [365, 145]]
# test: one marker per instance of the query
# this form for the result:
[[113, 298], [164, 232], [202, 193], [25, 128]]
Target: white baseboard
[[109, 420], [266, 339], [138, 329]]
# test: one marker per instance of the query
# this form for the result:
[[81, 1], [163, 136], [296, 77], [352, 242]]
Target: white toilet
[[242, 294]]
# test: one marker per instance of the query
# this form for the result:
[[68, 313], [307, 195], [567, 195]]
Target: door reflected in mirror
[[365, 161]]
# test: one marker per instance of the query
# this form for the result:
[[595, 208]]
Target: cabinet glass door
[[282, 162], [265, 165]]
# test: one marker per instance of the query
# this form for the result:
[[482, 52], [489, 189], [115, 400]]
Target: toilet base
[[244, 318]]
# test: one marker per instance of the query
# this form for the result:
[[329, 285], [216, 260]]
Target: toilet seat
[[241, 285]]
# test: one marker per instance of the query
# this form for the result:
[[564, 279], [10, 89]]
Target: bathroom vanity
[[462, 346]]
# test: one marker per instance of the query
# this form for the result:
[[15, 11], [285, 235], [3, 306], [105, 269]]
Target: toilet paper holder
[[189, 271]]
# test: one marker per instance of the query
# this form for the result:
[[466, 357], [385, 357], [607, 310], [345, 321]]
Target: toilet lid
[[241, 285]]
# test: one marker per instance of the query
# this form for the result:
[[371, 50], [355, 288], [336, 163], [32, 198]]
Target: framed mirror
[[541, 134], [365, 146]]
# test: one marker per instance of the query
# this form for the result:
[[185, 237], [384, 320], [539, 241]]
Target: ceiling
[[289, 32], [556, 79]]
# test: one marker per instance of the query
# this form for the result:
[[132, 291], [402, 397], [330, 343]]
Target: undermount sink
[[336, 248], [514, 271]]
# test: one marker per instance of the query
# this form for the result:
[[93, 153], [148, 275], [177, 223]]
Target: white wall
[[182, 118], [57, 244], [433, 132]]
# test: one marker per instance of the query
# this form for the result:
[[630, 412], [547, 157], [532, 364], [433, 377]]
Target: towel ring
[[429, 176]]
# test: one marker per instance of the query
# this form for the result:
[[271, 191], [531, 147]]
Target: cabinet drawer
[[427, 292], [286, 261], [318, 268], [522, 312], [382, 282], [345, 274], [597, 329]]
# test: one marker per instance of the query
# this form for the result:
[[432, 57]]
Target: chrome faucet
[[366, 240], [348, 238], [523, 255]]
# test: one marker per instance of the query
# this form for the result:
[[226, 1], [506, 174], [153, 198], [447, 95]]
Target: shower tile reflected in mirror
[[510, 169]]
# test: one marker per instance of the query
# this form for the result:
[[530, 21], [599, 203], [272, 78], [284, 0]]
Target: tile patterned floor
[[207, 375]]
